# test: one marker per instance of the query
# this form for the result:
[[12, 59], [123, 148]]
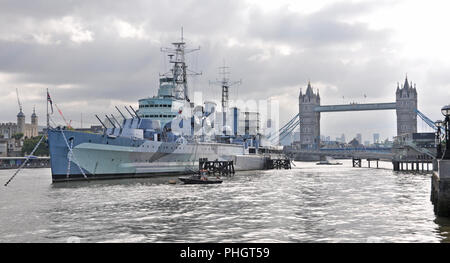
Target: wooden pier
[[277, 164], [222, 168], [357, 162], [413, 165]]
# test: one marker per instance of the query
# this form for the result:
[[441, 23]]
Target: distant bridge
[[356, 107], [308, 120], [362, 153]]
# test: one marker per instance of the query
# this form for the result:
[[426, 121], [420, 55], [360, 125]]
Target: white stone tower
[[406, 100], [309, 119], [34, 118], [21, 122], [34, 124]]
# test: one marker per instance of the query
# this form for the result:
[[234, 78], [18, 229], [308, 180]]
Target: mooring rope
[[26, 160]]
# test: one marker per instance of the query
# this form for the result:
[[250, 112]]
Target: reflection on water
[[306, 204]]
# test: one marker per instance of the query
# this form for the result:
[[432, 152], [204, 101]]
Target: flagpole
[[48, 120]]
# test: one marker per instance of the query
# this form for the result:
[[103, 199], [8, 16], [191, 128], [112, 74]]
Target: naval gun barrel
[[100, 121], [123, 116], [114, 118], [112, 123], [135, 112], [132, 116]]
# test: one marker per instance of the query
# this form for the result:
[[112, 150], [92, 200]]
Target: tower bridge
[[356, 107], [307, 146], [310, 109]]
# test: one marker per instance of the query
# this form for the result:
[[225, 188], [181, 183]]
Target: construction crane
[[60, 113], [18, 100]]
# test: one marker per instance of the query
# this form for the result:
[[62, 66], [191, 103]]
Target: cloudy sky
[[93, 55]]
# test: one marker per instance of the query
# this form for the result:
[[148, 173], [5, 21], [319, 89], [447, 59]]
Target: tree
[[29, 144], [17, 136]]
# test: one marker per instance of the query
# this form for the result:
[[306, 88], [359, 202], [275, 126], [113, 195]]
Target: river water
[[310, 203]]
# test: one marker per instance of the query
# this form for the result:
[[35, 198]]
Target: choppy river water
[[309, 203]]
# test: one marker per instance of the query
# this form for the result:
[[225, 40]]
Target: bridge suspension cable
[[427, 120], [290, 130], [287, 129]]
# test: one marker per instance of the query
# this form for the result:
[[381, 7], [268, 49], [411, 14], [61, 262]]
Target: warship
[[167, 135]]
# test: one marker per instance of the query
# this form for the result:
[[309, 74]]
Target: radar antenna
[[225, 83], [179, 71]]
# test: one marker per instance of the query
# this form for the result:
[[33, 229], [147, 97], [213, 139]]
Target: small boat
[[326, 161], [172, 181], [202, 178]]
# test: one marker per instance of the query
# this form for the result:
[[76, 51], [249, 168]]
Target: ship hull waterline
[[100, 157]]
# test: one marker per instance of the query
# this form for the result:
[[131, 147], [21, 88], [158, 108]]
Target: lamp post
[[438, 139], [446, 112]]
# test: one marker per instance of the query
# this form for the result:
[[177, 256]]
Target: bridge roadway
[[356, 107]]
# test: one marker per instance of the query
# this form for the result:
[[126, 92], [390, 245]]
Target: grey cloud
[[322, 28], [325, 48]]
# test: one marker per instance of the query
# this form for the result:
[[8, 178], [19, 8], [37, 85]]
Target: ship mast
[[225, 83], [179, 70]]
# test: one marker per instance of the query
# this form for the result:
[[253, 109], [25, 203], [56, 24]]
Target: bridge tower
[[406, 106], [309, 119]]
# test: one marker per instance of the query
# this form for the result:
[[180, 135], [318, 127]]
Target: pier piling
[[356, 162], [222, 168], [440, 189], [277, 164]]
